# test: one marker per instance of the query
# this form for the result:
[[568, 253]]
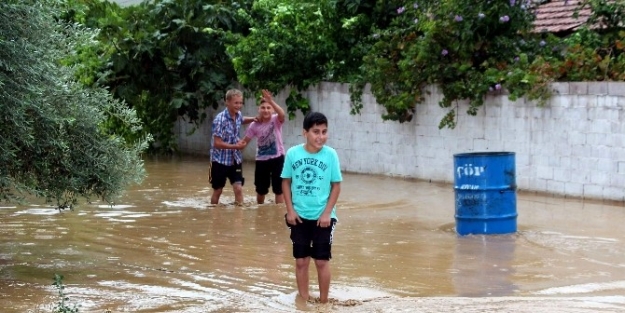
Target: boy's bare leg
[[215, 196], [324, 276], [260, 199], [280, 198], [238, 193], [301, 276]]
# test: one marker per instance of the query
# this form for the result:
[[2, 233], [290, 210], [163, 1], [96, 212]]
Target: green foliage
[[471, 50], [288, 44], [163, 58], [467, 49], [596, 51], [171, 58], [301, 43], [55, 143], [62, 305], [87, 58]]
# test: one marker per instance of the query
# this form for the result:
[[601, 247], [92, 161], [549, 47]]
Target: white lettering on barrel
[[469, 170], [469, 200], [469, 187]]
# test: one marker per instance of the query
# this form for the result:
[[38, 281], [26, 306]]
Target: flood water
[[163, 248]]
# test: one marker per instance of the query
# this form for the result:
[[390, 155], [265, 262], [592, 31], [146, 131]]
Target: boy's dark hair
[[314, 118]]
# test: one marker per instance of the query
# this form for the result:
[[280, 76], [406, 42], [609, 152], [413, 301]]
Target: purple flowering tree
[[468, 48]]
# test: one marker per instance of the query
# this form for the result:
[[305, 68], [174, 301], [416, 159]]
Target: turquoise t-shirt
[[311, 175]]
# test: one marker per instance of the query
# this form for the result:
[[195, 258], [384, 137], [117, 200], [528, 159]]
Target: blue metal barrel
[[485, 188]]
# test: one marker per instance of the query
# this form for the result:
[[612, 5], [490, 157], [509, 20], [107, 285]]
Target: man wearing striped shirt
[[226, 155]]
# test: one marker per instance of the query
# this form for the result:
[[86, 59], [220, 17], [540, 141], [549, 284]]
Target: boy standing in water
[[311, 182], [226, 155], [267, 128]]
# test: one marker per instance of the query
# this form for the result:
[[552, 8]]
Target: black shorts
[[267, 173], [310, 240], [219, 172]]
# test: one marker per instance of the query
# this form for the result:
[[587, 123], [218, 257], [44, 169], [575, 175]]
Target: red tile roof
[[558, 15]]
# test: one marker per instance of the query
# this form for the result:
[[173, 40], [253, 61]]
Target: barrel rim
[[486, 153]]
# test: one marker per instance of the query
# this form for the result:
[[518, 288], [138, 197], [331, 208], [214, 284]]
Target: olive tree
[[55, 142]]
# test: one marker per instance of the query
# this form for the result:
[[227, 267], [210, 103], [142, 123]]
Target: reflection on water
[[163, 248], [483, 265]]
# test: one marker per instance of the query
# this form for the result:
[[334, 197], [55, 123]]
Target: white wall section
[[573, 146]]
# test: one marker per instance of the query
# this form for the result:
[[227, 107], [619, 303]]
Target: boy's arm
[[248, 119], [292, 217], [245, 141], [325, 219], [220, 144], [269, 98]]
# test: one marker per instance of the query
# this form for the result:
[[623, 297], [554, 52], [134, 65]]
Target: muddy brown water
[[163, 248]]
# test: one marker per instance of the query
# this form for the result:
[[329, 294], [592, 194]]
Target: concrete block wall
[[574, 145]]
